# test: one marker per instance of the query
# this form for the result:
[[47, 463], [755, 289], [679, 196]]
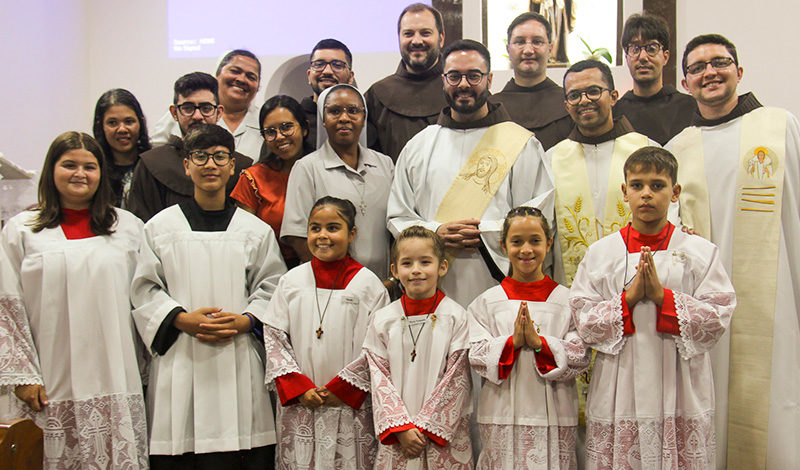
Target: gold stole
[[757, 228], [479, 178], [577, 226]]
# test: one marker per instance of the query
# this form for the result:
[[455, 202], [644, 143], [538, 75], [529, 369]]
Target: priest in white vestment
[[756, 224]]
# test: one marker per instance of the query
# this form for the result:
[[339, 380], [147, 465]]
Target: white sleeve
[[300, 197], [401, 211], [265, 267]]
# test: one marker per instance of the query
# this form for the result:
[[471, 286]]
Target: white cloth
[[427, 166], [651, 396], [538, 413], [323, 173], [206, 397], [721, 153], [339, 436], [65, 323], [432, 392], [247, 136], [322, 133]]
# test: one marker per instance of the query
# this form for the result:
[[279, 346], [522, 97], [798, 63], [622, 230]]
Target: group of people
[[456, 261]]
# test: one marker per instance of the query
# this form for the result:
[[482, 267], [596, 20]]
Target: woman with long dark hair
[[120, 129], [67, 340], [261, 189]]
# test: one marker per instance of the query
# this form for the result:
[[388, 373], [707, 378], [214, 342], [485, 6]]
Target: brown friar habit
[[539, 108], [401, 105], [661, 116], [160, 180]]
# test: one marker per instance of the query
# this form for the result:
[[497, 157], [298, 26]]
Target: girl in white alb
[[524, 344]]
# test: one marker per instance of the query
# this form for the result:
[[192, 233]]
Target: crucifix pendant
[[363, 207], [413, 354], [319, 332], [433, 320]]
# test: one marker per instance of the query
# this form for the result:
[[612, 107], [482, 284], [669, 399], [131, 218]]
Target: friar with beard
[[409, 100]]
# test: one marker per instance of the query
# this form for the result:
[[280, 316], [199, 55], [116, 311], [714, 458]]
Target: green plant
[[596, 54]]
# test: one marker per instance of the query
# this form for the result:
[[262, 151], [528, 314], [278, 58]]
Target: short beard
[[431, 57], [480, 100]]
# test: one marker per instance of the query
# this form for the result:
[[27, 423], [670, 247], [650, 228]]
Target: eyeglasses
[[717, 62], [206, 109], [522, 42], [336, 65], [287, 129], [200, 158], [474, 77], [336, 111], [593, 93], [652, 49]]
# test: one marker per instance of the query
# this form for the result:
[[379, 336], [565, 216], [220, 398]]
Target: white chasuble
[[421, 380], [206, 397], [425, 170], [65, 323], [316, 330], [651, 397], [725, 163], [528, 419]]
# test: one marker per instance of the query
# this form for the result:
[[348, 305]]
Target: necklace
[[430, 315], [362, 206], [320, 312]]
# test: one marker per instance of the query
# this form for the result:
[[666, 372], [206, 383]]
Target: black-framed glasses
[[200, 158], [474, 77], [717, 62], [336, 65], [652, 49], [336, 110], [287, 129], [537, 43], [592, 93], [206, 109]]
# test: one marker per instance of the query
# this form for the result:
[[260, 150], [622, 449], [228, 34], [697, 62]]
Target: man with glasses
[[533, 100], [654, 109], [754, 218], [238, 76], [159, 179], [406, 102], [461, 176], [587, 166], [330, 63]]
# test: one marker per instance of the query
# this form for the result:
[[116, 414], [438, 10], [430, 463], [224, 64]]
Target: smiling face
[[526, 245], [76, 175], [121, 129], [420, 41], [286, 148], [649, 194], [527, 60], [327, 77], [328, 236], [418, 268], [591, 117], [345, 128], [712, 88], [210, 178], [465, 99], [238, 82]]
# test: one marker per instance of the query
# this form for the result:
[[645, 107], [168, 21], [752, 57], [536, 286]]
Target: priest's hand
[[412, 442], [33, 395], [652, 286], [461, 234], [532, 339], [329, 398], [689, 230], [635, 292], [519, 327], [311, 399]]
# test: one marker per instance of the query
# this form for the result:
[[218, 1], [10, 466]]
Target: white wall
[[58, 57]]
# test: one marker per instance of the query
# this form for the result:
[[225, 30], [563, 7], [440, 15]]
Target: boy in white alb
[[206, 273], [652, 300]]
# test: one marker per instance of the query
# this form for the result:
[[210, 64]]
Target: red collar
[[76, 224], [537, 291], [340, 272], [413, 307], [635, 240]]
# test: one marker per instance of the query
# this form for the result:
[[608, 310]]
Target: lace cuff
[[599, 324], [19, 359], [279, 354], [484, 357], [702, 321]]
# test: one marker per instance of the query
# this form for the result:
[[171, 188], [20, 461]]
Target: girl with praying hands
[[67, 339]]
